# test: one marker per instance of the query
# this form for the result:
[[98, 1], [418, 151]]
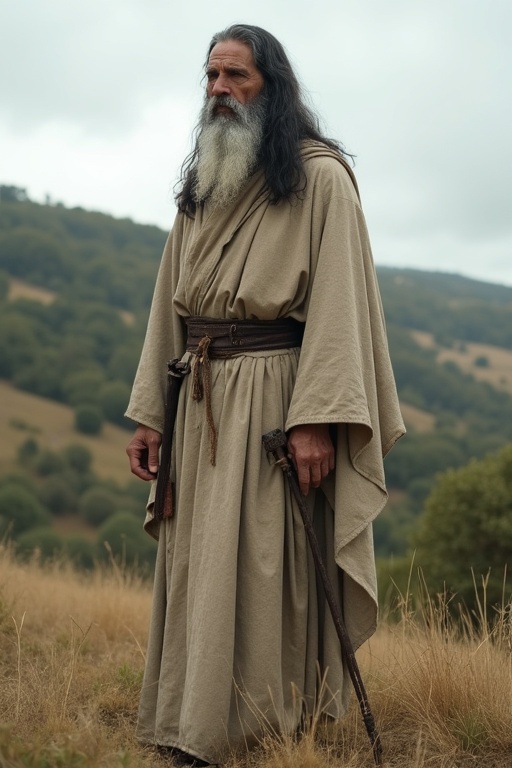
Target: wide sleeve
[[345, 379], [165, 339], [345, 373]]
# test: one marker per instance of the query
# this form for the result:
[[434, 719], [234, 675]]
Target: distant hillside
[[80, 254], [451, 307], [24, 416], [75, 289]]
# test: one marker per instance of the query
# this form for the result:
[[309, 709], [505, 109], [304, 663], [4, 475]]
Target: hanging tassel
[[202, 387]]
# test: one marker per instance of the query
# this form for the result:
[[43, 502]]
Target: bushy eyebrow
[[233, 69]]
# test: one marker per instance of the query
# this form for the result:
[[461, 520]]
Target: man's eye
[[211, 75]]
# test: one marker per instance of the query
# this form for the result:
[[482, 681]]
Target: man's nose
[[221, 87]]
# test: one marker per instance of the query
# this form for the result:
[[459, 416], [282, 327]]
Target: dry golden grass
[[72, 655], [23, 415]]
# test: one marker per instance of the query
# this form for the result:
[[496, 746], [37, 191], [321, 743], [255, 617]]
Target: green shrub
[[58, 496], [42, 540], [20, 510], [123, 535], [113, 399], [27, 451], [49, 463], [465, 533], [88, 419], [96, 505], [83, 386], [78, 457], [80, 551]]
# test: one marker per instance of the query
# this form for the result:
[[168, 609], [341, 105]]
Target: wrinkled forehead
[[232, 53]]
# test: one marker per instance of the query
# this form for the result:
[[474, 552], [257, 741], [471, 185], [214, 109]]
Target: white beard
[[228, 147]]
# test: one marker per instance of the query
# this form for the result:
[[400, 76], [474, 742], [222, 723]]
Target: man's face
[[231, 71]]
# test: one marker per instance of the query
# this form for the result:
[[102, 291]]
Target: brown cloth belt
[[210, 338], [231, 337]]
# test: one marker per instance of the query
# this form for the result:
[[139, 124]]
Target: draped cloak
[[240, 639]]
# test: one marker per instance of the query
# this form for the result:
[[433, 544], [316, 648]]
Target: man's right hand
[[142, 451]]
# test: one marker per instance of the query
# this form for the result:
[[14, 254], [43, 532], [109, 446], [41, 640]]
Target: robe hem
[[176, 745]]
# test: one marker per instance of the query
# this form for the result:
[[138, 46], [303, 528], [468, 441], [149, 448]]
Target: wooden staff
[[275, 444]]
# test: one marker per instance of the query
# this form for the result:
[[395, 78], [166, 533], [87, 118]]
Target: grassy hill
[[483, 361], [23, 415], [75, 289]]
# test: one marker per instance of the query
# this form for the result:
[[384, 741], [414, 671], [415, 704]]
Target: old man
[[267, 287]]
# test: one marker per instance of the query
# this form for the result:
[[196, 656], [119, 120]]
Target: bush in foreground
[[466, 531]]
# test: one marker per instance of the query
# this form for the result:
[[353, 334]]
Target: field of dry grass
[[72, 654]]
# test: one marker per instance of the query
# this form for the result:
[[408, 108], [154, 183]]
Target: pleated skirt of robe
[[238, 631]]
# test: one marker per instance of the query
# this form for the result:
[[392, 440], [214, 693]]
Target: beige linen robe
[[238, 631]]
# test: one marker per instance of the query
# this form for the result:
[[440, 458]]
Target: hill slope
[[74, 299], [23, 415]]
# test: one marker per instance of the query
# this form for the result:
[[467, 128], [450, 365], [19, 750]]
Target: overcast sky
[[98, 99]]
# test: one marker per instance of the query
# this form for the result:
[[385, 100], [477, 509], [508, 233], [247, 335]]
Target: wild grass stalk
[[18, 663]]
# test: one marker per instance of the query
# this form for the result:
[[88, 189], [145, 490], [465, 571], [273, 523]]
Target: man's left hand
[[311, 449]]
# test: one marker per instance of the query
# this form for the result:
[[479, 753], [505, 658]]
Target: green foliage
[[66, 473], [48, 463], [82, 350], [34, 255], [51, 483], [83, 386], [20, 510], [113, 399], [43, 541], [78, 457], [123, 535], [11, 194], [138, 492], [130, 679], [123, 363], [42, 376], [448, 306], [20, 479], [80, 551], [88, 419], [18, 342], [4, 285], [58, 496], [27, 451], [421, 456], [89, 256], [97, 504], [467, 529]]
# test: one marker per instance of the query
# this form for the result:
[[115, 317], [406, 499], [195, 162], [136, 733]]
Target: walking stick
[[275, 444]]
